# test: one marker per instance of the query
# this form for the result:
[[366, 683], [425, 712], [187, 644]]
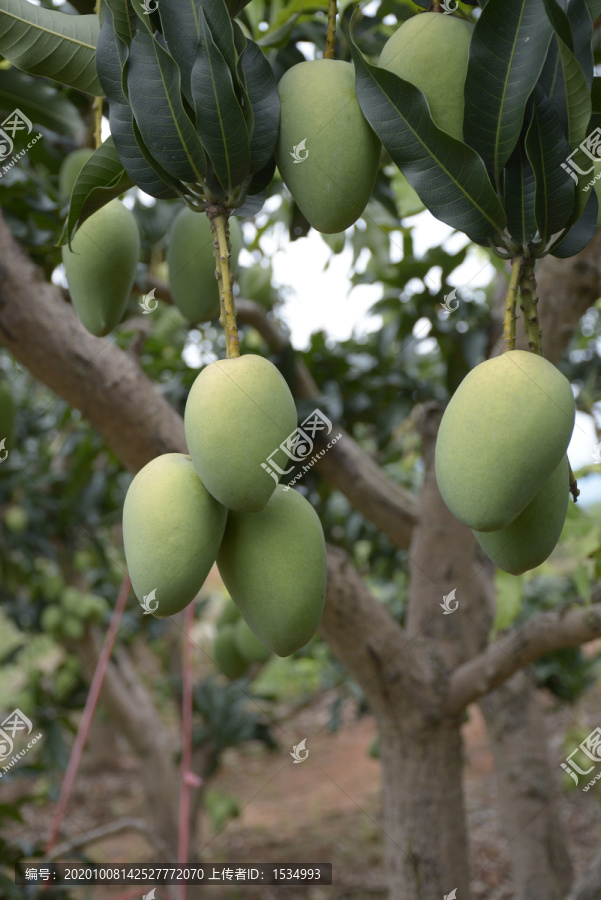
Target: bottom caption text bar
[[65, 873]]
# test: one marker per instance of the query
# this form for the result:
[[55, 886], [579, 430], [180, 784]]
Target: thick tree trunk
[[528, 794]]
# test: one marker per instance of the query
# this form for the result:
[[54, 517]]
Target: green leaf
[[594, 8], [547, 147], [220, 120], [137, 162], [448, 176], [50, 43], [263, 95], [101, 179], [42, 103], [180, 20], [507, 52], [519, 188], [559, 22], [154, 88], [111, 59], [565, 84], [124, 19], [582, 31], [581, 233]]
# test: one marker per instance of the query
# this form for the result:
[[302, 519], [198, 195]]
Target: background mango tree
[[189, 92]]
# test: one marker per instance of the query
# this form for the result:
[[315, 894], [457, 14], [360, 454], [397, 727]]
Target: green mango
[[70, 169], [229, 613], [326, 152], [531, 538], [414, 53], [250, 647], [172, 529], [255, 284], [226, 655], [8, 419], [503, 434], [273, 563], [101, 266], [191, 262], [238, 413]]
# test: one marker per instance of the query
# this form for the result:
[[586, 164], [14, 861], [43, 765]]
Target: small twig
[[328, 53], [574, 489], [102, 831], [511, 303]]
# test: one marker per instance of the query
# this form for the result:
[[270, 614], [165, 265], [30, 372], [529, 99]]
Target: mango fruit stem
[[328, 53], [528, 305], [511, 303], [574, 489], [218, 217]]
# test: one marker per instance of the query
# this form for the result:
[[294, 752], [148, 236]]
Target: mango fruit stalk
[[191, 263], [273, 563], [101, 267], [238, 412], [503, 434], [326, 153], [172, 530]]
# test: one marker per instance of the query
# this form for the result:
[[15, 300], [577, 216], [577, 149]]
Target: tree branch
[[108, 830], [541, 634]]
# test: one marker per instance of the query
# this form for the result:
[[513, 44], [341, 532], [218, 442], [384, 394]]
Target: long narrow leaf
[[564, 82], [220, 120], [101, 179], [581, 233], [582, 31], [111, 60], [50, 43], [519, 188], [448, 176], [140, 167], [154, 88], [265, 102], [507, 52], [547, 147], [42, 103]]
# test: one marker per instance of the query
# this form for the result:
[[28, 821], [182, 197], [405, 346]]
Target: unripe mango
[[273, 564], [226, 655], [194, 287], [531, 538], [172, 529], [250, 647], [414, 53], [70, 169], [326, 152], [503, 434], [8, 417], [101, 266], [255, 284], [238, 412], [229, 613]]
